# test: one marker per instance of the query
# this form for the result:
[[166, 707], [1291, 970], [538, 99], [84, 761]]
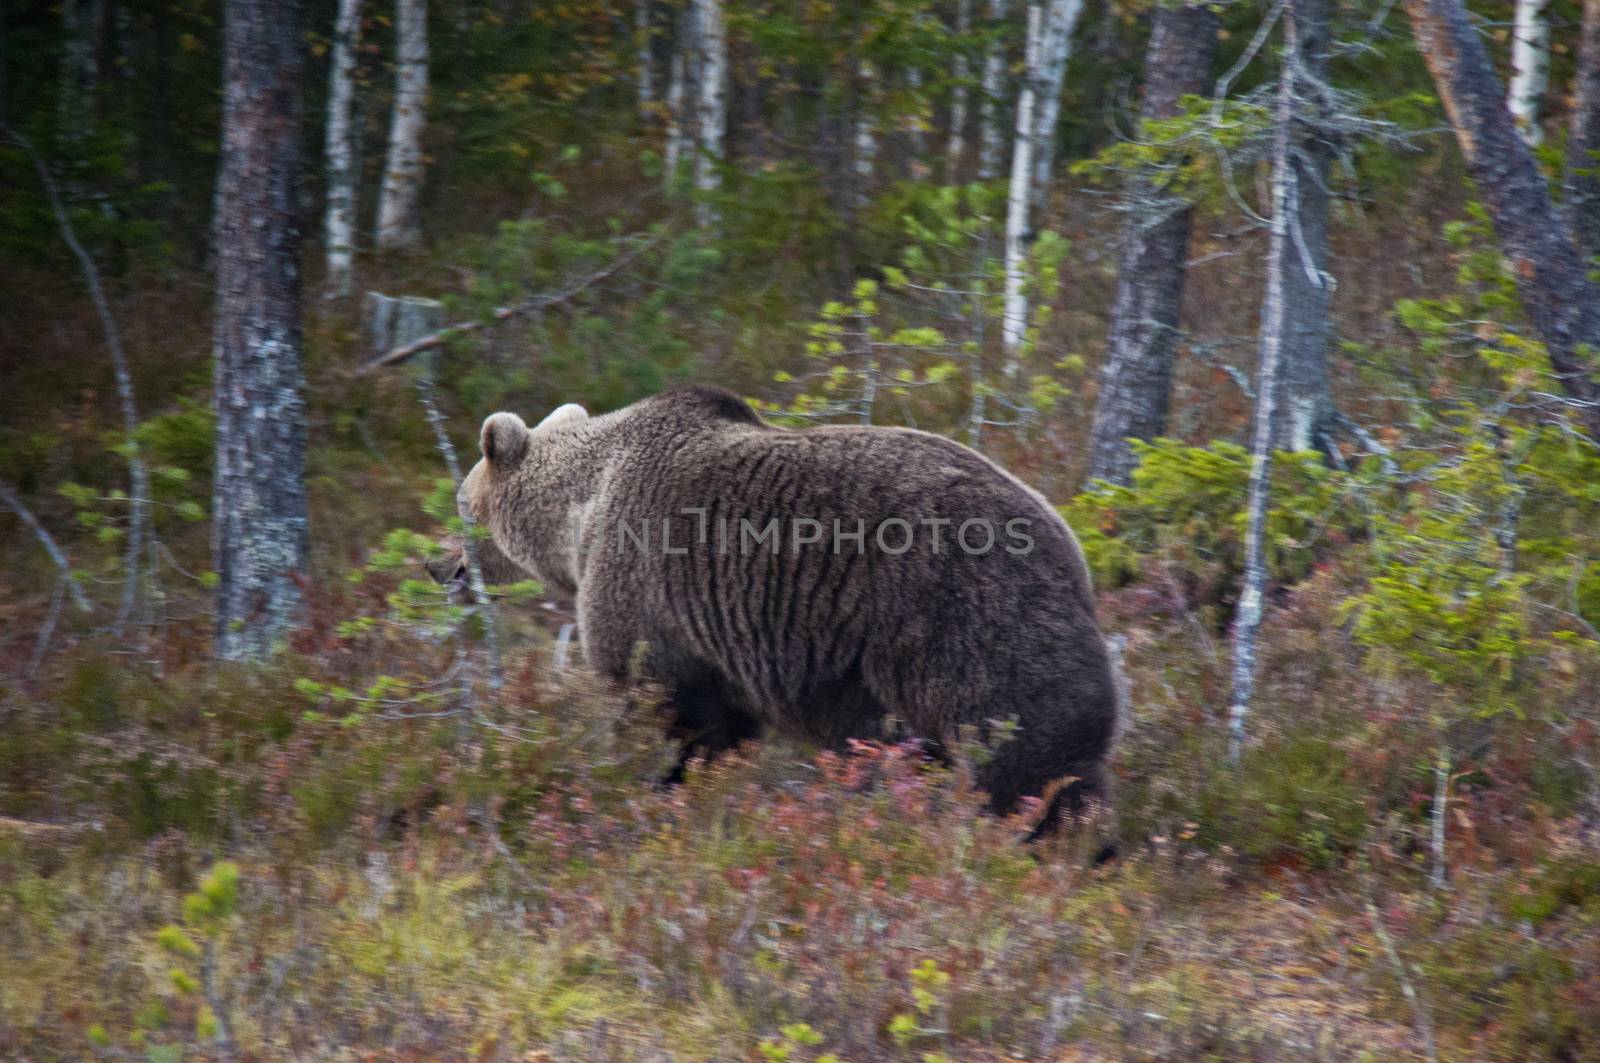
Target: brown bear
[[819, 581]]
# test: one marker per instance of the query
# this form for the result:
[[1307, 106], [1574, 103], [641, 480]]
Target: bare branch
[[528, 306], [138, 475], [46, 540]]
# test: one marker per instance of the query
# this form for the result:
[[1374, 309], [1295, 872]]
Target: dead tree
[[1136, 383], [1551, 273], [1274, 320], [260, 535]]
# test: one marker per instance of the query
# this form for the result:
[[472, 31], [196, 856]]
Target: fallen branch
[[504, 313], [9, 498]]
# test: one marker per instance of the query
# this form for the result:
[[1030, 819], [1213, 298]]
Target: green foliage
[[1186, 506]]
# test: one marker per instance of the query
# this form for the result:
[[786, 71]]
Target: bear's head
[[450, 567], [519, 490]]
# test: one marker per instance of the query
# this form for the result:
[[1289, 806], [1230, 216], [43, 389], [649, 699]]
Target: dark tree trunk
[[1303, 417], [1136, 383], [1550, 272], [1583, 146], [260, 537]]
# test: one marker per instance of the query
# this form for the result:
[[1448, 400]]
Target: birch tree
[[1303, 412], [1136, 382], [1581, 194], [1274, 320], [1049, 22], [992, 135], [1551, 274], [260, 540], [1530, 67], [1057, 49], [712, 110], [400, 200], [644, 49], [339, 219], [956, 146], [864, 140], [677, 146]]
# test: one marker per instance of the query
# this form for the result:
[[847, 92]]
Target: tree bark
[[339, 221], [1530, 67], [712, 116], [1014, 315], [400, 201], [993, 131], [83, 23], [1275, 319], [1050, 24], [644, 50], [1550, 272], [1136, 383], [260, 535], [1582, 191], [864, 142], [1060, 24], [678, 75], [1303, 411], [956, 146]]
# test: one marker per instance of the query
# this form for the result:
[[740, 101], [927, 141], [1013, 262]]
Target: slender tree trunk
[[1274, 320], [260, 535], [1551, 273], [400, 200], [644, 50], [339, 223], [1530, 68], [83, 23], [956, 146], [1304, 414], [1014, 315], [864, 144], [1136, 383], [712, 116], [1060, 23], [1582, 191], [993, 125], [677, 147]]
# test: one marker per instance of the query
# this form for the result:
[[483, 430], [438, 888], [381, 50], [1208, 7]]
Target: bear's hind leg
[[707, 720]]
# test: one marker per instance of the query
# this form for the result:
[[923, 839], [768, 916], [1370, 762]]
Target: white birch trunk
[[1285, 198], [1060, 23], [712, 114], [339, 221], [1530, 68], [864, 157], [956, 145], [677, 136], [1014, 316], [399, 205], [644, 77], [993, 134]]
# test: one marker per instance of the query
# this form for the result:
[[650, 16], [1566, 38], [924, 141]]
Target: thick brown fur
[[819, 642]]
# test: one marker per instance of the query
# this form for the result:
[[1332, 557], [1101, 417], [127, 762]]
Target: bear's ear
[[563, 415], [504, 439]]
